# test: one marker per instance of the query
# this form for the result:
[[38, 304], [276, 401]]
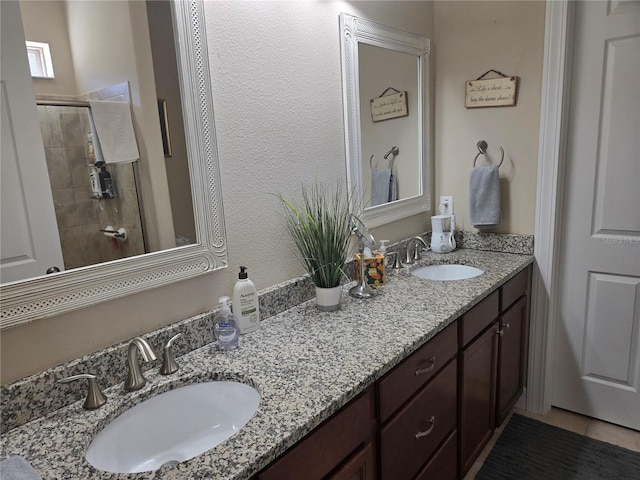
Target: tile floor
[[574, 422]]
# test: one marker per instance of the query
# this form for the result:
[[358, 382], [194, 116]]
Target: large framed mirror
[[43, 296], [385, 79]]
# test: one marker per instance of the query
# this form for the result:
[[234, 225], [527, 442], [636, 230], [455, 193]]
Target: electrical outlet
[[446, 205]]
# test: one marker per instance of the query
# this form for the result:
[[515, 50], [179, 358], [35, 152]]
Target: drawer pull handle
[[432, 364], [432, 421]]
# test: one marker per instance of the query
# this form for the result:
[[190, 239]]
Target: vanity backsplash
[[39, 395]]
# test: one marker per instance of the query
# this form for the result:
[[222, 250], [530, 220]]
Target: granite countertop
[[306, 364]]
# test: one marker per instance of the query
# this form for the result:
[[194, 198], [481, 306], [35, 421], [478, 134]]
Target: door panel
[[617, 194], [611, 348], [596, 370], [29, 232]]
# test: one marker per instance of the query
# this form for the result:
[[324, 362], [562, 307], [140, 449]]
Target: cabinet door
[[477, 400], [360, 467], [511, 357]]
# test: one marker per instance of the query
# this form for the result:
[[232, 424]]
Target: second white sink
[[173, 427], [447, 272]]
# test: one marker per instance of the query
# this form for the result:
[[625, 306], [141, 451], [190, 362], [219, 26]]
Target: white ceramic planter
[[328, 299]]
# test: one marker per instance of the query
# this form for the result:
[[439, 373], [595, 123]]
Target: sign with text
[[389, 106], [495, 92]]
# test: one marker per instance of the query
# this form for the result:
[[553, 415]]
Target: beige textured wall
[[101, 35], [471, 38], [168, 88], [260, 53], [278, 105], [46, 22]]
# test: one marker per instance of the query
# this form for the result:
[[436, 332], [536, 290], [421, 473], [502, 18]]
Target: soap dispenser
[[225, 328]]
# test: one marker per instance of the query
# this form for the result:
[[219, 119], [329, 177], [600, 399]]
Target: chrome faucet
[[135, 379], [410, 259]]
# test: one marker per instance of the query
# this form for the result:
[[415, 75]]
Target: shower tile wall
[[80, 218]]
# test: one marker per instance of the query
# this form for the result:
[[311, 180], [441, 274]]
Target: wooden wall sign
[[389, 106], [494, 92]]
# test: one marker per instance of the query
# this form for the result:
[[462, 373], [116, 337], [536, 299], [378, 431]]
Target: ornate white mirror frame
[[51, 295], [355, 30]]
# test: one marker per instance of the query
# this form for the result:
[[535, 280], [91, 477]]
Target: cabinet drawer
[[412, 373], [444, 464], [514, 289], [413, 435], [328, 445], [479, 317]]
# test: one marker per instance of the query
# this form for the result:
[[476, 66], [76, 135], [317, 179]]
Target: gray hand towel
[[484, 197], [380, 180], [17, 468], [393, 188]]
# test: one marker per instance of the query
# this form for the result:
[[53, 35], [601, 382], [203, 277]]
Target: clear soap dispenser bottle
[[225, 328]]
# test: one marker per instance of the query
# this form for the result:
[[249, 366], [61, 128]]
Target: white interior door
[[29, 239], [597, 353]]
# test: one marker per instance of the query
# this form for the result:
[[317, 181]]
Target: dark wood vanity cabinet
[[432, 414], [493, 353]]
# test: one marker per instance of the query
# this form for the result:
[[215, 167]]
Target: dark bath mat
[[532, 450]]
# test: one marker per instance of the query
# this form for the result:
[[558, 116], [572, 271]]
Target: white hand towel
[[380, 182], [484, 197], [114, 131], [17, 468]]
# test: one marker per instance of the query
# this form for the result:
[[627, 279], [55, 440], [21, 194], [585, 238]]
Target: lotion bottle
[[245, 303]]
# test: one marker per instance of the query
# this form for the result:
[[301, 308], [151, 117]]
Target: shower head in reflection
[[394, 151]]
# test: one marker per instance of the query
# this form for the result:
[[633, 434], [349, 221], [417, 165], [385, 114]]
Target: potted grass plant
[[319, 225]]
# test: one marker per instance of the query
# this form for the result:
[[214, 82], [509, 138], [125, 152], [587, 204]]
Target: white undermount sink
[[447, 272], [173, 427]]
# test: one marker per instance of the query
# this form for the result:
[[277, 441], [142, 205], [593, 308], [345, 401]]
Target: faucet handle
[[169, 364], [95, 397], [396, 260]]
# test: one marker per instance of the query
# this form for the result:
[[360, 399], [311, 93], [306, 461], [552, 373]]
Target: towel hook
[[371, 162], [482, 150]]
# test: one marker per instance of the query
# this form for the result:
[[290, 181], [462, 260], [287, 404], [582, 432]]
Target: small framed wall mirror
[[385, 84]]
